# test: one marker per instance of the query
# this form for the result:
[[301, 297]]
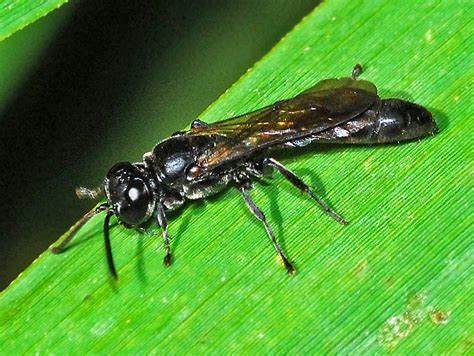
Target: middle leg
[[258, 213]]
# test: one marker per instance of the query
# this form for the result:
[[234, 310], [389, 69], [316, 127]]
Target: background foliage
[[397, 278], [16, 14]]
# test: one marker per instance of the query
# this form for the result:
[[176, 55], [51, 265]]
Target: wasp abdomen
[[389, 120], [399, 120]]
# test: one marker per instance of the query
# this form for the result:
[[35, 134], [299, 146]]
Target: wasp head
[[130, 190]]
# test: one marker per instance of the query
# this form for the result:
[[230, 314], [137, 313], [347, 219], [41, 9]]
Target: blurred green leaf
[[397, 278], [20, 55], [16, 14]]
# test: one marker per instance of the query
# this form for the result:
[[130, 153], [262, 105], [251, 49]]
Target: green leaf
[[396, 278], [15, 14]]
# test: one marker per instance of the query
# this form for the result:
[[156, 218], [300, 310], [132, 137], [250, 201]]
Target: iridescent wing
[[329, 103]]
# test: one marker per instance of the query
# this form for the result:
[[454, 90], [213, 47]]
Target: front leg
[[163, 222]]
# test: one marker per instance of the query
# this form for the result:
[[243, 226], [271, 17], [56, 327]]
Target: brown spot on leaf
[[440, 317]]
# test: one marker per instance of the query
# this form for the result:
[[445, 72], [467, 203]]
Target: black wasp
[[202, 161]]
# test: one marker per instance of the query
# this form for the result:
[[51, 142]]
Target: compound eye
[[137, 197]]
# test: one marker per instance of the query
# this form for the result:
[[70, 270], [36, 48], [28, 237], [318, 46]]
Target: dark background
[[99, 82]]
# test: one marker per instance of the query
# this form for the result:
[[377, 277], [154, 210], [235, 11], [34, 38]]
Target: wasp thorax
[[129, 191]]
